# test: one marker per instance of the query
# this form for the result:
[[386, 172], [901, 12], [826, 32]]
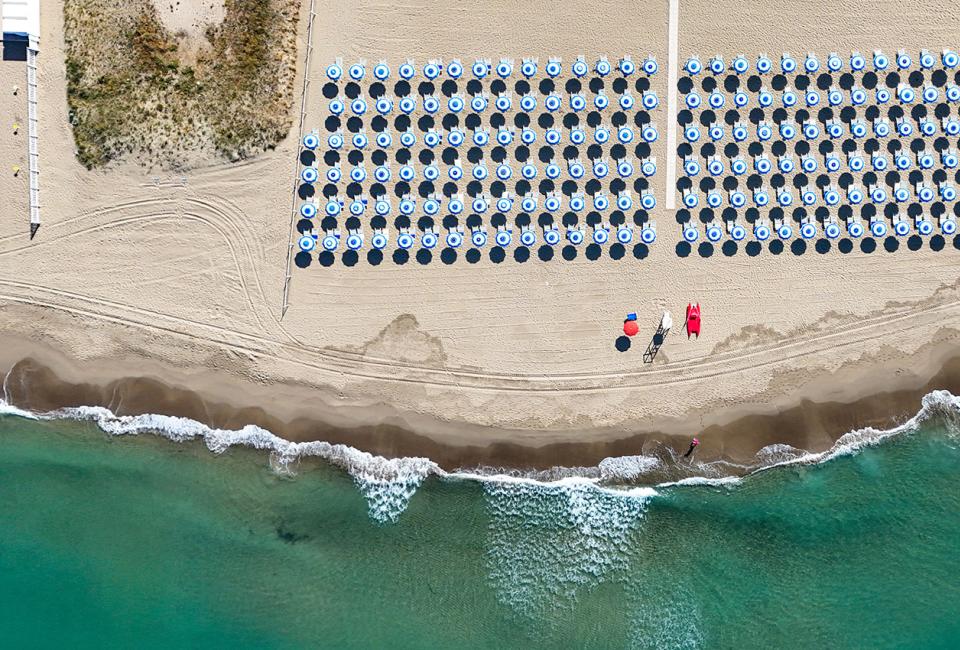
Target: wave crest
[[546, 542], [387, 484]]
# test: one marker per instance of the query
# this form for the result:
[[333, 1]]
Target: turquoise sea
[[141, 541]]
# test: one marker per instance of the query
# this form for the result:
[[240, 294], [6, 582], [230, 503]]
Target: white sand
[[188, 21], [181, 280], [190, 16]]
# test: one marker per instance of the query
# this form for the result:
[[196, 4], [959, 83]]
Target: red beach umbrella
[[630, 327]]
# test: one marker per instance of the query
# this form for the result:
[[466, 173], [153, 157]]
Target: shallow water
[[140, 541]]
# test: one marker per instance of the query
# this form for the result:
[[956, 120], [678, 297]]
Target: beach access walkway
[[673, 37]]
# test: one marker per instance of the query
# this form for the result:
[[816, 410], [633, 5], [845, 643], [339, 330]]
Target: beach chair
[[948, 224], [855, 227], [831, 227], [808, 228], [600, 201], [380, 238], [331, 240], [355, 239], [429, 238], [454, 238], [901, 227], [478, 236], [551, 235], [480, 203], [307, 242], [736, 230], [406, 238], [648, 232], [575, 234], [432, 69], [878, 226], [407, 70], [528, 236], [381, 71], [601, 233], [761, 229], [783, 228]]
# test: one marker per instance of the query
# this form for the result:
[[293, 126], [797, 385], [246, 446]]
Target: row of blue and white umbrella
[[504, 136], [833, 129], [855, 228], [482, 68], [601, 235], [811, 64], [812, 98], [576, 169], [830, 196], [530, 203], [504, 103], [809, 163]]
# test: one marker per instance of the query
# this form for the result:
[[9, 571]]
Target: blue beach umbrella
[[648, 233], [551, 235], [478, 237], [454, 238], [379, 240], [335, 71], [331, 241]]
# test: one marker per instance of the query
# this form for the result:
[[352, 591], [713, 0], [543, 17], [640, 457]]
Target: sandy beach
[[156, 291]]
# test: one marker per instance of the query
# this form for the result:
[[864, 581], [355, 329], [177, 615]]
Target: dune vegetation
[[134, 89]]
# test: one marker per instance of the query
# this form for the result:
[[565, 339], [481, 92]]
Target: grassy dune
[[133, 91]]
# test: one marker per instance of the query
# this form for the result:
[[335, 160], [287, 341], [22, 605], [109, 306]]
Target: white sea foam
[[548, 541], [939, 403], [778, 453], [627, 468], [664, 621], [10, 409], [389, 484], [704, 480]]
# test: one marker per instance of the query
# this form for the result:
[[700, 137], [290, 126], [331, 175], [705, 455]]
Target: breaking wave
[[548, 541], [580, 493], [386, 484]]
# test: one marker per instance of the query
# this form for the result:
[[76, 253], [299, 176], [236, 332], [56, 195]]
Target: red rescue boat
[[693, 319]]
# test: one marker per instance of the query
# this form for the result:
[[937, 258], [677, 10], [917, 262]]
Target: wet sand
[[810, 426]]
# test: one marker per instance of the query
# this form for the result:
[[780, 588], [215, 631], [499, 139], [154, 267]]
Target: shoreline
[[41, 379]]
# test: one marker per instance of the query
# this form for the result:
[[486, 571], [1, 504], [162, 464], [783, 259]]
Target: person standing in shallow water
[[693, 445]]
